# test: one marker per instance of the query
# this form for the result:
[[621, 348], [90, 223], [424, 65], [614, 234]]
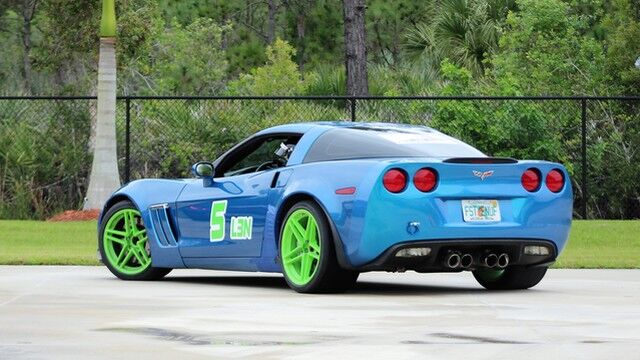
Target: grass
[[48, 243], [602, 244], [593, 244]]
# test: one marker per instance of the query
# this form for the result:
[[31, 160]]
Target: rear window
[[375, 142]]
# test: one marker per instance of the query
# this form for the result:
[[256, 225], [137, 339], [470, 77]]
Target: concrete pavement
[[84, 312]]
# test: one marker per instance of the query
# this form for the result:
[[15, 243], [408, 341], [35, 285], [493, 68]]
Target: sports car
[[322, 202]]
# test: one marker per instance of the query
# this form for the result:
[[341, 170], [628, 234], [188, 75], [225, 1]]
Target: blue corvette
[[322, 202]]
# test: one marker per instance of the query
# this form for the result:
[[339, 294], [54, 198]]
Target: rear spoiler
[[481, 160]]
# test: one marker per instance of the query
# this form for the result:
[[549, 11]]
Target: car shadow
[[361, 287]]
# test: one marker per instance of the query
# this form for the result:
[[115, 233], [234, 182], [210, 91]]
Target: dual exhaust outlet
[[454, 260]]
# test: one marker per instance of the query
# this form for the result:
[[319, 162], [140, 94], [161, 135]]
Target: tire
[[307, 252], [124, 248], [511, 278]]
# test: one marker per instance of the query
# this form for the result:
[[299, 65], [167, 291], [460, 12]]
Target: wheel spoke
[[127, 223], [115, 232], [314, 247], [298, 230], [132, 228], [311, 230], [293, 259], [305, 266], [291, 253], [141, 256], [124, 256], [142, 242], [139, 233], [115, 239]]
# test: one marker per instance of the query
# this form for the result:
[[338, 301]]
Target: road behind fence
[[45, 142]]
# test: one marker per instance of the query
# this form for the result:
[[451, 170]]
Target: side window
[[259, 156]]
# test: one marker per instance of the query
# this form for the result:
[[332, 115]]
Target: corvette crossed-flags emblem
[[482, 175]]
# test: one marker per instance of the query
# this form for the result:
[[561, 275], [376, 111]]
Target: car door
[[226, 217]]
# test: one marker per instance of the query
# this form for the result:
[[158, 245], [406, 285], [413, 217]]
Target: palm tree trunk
[[105, 178]]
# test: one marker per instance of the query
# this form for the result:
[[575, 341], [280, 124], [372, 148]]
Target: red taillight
[[425, 180], [555, 180], [531, 180], [394, 180]]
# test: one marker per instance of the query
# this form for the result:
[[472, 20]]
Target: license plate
[[480, 210]]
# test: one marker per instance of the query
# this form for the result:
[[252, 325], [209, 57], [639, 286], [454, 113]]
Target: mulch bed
[[76, 215]]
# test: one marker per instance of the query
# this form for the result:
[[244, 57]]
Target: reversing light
[[536, 250], [555, 180], [395, 180], [531, 180], [425, 179], [413, 252]]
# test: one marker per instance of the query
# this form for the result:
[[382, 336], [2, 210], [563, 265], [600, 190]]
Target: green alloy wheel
[[511, 278], [124, 245], [301, 247], [307, 253]]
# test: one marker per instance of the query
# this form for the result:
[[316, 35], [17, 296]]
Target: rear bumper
[[435, 260]]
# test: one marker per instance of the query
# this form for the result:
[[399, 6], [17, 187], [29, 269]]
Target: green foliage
[[178, 67], [520, 129], [623, 45], [279, 76], [42, 169], [387, 21], [11, 53], [464, 31], [449, 47], [543, 52]]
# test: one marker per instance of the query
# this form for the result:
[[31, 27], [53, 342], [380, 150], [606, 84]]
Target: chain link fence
[[45, 143]]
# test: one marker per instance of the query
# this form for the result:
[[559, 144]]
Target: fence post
[[127, 141], [585, 194], [352, 103]]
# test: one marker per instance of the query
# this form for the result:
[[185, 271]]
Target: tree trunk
[[28, 10], [301, 21], [105, 178], [355, 47], [271, 21]]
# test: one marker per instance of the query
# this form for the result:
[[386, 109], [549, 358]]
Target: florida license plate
[[480, 210]]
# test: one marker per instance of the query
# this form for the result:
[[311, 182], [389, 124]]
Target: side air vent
[[160, 225], [481, 160]]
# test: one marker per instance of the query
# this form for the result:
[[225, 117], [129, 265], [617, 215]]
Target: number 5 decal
[[218, 210]]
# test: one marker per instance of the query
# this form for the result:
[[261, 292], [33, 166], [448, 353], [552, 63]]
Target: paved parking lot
[[83, 312]]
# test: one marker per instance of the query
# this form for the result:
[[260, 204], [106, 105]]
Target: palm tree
[[105, 178], [464, 31]]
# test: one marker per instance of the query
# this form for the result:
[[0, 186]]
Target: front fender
[[143, 194]]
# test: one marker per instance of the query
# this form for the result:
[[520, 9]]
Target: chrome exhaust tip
[[452, 260], [491, 260], [466, 260], [503, 261]]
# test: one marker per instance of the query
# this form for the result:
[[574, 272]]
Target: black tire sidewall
[[513, 278]]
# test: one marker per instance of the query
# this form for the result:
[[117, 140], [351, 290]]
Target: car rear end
[[463, 213]]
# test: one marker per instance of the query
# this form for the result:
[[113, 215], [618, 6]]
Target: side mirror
[[202, 170]]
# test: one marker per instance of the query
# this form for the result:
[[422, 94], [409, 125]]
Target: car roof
[[326, 125]]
